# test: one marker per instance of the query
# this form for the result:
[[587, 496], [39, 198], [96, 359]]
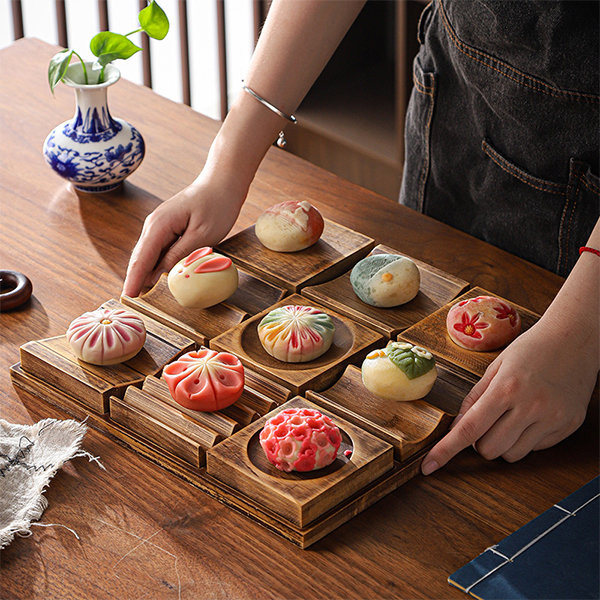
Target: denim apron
[[502, 125]]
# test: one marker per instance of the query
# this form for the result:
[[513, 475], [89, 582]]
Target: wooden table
[[146, 533]]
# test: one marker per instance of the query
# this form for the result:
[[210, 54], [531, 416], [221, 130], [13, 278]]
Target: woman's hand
[[202, 214], [531, 397]]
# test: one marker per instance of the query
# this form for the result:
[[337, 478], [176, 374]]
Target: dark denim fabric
[[502, 127]]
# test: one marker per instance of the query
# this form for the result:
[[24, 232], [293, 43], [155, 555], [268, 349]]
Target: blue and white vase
[[94, 151]]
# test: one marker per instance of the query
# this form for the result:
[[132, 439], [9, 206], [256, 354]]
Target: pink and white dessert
[[484, 323], [296, 333], [106, 336], [203, 279], [289, 226], [300, 439], [205, 380]]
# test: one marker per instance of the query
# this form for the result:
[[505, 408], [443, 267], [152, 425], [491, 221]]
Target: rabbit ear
[[219, 263], [196, 254]]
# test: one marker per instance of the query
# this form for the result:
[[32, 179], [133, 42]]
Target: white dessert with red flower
[[483, 323]]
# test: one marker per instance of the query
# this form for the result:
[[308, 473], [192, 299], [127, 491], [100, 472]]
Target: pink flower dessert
[[300, 439], [205, 380], [203, 279], [296, 333], [106, 336], [484, 323], [289, 226]]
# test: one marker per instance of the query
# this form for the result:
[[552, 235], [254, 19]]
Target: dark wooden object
[[407, 426], [144, 530], [299, 498], [338, 249], [252, 296], [431, 333], [351, 342], [437, 288]]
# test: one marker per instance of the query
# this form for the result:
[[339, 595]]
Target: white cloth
[[30, 455]]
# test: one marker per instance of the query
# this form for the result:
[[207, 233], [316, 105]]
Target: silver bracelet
[[281, 141]]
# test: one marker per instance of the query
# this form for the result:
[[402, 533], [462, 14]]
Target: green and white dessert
[[385, 280], [400, 372]]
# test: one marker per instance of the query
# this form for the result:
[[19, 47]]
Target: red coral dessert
[[484, 323], [300, 439]]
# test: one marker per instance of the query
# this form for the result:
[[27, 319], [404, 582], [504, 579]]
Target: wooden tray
[[408, 426], [299, 498], [437, 288], [431, 333], [53, 361], [337, 250], [352, 342], [252, 296]]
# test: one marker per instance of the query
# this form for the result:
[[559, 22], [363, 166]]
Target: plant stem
[[85, 75], [101, 76], [134, 31]]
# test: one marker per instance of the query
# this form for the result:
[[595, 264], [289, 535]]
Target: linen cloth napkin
[[30, 455]]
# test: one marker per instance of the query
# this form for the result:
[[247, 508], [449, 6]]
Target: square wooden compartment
[[299, 498], [337, 250], [252, 296], [437, 288], [431, 333], [52, 362], [352, 341]]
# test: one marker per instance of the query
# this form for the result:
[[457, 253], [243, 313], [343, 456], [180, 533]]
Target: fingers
[[471, 427], [502, 437], [180, 249]]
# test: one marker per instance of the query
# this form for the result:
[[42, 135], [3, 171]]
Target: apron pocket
[[417, 155]]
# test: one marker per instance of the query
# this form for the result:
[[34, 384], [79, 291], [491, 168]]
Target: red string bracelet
[[588, 249]]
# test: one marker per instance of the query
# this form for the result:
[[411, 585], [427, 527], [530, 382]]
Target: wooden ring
[[15, 289]]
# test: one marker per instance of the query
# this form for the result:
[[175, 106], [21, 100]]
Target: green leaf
[[57, 67], [411, 360], [108, 46], [154, 21]]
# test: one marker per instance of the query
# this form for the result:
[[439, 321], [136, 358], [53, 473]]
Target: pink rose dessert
[[106, 336], [296, 333], [300, 439], [484, 323], [290, 226], [205, 380]]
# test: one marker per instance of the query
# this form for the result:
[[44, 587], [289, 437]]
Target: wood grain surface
[[436, 289], [145, 532]]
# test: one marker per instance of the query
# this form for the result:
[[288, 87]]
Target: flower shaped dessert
[[385, 280], [205, 380], [300, 439], [106, 336], [203, 279], [296, 333], [484, 323], [289, 226], [400, 371]]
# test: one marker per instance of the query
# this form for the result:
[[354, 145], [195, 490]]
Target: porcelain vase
[[94, 151]]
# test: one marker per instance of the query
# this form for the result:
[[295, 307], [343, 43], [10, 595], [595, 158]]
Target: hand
[[202, 214], [531, 397]]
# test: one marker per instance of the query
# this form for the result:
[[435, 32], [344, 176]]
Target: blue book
[[553, 556]]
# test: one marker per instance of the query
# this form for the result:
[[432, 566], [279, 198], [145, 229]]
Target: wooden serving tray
[[252, 296], [299, 498], [337, 250], [52, 360], [351, 342], [408, 426], [431, 333], [437, 288]]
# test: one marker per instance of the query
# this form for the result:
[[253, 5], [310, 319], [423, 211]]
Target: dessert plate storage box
[[351, 342], [431, 333], [338, 249], [437, 288], [252, 296]]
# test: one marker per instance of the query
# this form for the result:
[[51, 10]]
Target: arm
[[537, 391], [298, 39]]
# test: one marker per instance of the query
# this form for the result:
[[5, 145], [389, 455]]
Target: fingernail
[[429, 466]]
